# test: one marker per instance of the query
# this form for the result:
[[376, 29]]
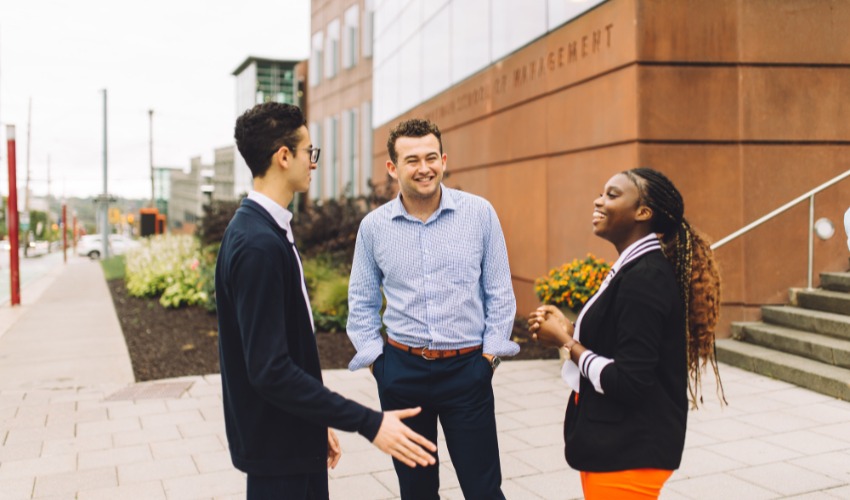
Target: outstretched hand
[[334, 451], [397, 440], [549, 326]]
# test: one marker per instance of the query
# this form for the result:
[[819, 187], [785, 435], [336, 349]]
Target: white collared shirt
[[283, 217]]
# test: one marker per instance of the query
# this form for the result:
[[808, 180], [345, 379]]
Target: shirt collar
[[447, 202], [647, 243], [280, 215]]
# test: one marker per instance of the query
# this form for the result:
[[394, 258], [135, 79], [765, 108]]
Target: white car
[[91, 245]]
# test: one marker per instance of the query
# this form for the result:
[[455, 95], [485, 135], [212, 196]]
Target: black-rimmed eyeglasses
[[314, 154]]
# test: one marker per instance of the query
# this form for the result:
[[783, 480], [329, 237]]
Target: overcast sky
[[173, 56]]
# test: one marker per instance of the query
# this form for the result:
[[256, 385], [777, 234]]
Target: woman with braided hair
[[640, 343]]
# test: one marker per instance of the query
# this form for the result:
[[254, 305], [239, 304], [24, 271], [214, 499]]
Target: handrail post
[[811, 237]]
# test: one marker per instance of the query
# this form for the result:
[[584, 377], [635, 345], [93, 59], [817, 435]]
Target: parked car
[[91, 245]]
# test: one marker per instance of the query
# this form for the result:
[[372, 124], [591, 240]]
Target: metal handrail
[[811, 196]]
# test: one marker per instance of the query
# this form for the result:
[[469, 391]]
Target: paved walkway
[[74, 426]]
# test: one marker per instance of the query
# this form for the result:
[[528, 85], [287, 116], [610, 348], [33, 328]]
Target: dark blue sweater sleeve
[[259, 291]]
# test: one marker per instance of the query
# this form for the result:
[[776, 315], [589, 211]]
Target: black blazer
[[640, 420], [276, 408]]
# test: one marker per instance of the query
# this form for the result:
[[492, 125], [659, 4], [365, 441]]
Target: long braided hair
[[696, 273]]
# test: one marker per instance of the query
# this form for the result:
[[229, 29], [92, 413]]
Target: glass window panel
[[511, 31], [350, 36], [365, 145], [470, 40], [436, 55], [561, 11], [316, 61], [368, 31]]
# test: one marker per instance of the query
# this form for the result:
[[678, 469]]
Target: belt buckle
[[425, 354]]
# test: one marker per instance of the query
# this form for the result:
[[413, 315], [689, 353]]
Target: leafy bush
[[327, 286], [216, 217], [172, 267], [330, 229], [572, 285]]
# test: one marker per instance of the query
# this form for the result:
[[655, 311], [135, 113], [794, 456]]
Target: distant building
[[339, 111], [185, 204], [261, 80], [223, 174], [162, 187]]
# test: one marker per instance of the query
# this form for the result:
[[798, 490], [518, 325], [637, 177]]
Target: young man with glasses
[[277, 411], [439, 256]]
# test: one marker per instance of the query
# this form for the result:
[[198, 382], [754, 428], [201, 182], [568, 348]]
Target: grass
[[113, 267]]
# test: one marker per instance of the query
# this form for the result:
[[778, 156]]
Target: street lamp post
[[14, 264]]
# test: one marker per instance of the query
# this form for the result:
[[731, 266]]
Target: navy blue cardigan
[[276, 408], [640, 421]]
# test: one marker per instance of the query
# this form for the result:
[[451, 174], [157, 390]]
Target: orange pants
[[636, 484]]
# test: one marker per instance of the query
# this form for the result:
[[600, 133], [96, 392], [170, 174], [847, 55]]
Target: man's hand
[[334, 451], [397, 440]]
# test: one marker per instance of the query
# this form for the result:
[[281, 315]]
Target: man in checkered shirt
[[439, 256]]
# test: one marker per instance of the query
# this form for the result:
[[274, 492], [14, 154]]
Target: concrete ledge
[[825, 379], [824, 300], [806, 344], [839, 282], [826, 323]]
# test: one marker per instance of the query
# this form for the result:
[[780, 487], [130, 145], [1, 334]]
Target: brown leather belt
[[432, 354]]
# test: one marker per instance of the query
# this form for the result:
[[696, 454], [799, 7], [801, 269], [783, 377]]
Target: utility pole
[[29, 141], [104, 207], [153, 190], [48, 179]]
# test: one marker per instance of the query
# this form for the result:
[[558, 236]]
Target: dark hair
[[264, 129], [415, 127], [696, 271]]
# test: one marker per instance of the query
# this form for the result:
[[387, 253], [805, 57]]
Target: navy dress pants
[[296, 487], [459, 392]]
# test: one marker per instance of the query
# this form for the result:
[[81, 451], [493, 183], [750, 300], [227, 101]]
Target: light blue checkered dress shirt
[[447, 280]]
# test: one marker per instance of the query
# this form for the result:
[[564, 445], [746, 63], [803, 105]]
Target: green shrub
[[172, 267], [327, 286], [113, 267]]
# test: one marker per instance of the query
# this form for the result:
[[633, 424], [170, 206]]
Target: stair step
[[826, 323], [824, 300], [820, 377], [839, 282], [821, 348]]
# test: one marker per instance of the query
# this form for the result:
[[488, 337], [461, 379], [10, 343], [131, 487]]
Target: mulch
[[167, 343]]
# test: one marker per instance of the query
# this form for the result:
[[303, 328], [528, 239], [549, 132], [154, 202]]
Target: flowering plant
[[571, 285]]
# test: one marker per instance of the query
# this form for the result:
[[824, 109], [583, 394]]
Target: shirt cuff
[[500, 347], [591, 364], [367, 355]]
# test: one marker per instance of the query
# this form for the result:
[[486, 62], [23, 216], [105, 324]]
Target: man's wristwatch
[[495, 361]]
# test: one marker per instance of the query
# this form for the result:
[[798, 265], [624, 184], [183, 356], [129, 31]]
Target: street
[[31, 269]]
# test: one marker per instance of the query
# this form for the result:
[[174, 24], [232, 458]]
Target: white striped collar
[[642, 246]]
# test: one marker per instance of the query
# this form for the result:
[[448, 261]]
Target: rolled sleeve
[[498, 293], [364, 300]]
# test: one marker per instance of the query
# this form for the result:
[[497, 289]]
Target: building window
[[368, 32], [316, 184], [331, 163], [350, 185], [316, 59], [349, 40], [332, 49], [365, 146]]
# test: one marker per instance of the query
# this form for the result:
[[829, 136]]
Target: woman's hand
[[549, 326]]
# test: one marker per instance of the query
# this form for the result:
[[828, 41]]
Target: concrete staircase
[[807, 344]]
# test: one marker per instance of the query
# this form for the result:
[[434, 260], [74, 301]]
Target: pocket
[[378, 367], [602, 409]]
